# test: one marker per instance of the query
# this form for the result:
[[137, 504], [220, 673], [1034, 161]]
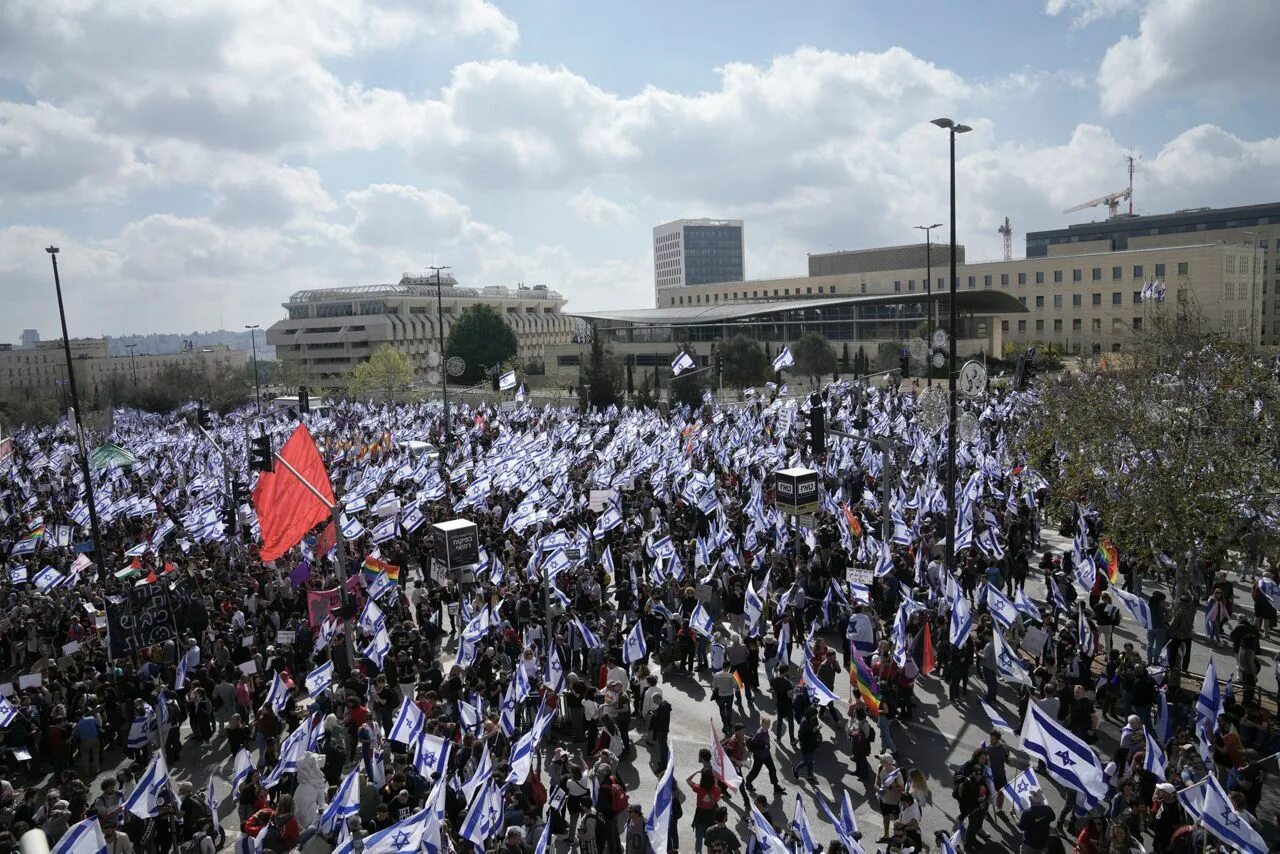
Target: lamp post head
[[962, 128], [944, 123], [52, 250]]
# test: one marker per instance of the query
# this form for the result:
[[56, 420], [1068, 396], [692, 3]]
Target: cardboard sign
[[71, 648], [598, 499], [30, 680], [248, 668], [6, 688], [859, 576], [1034, 640], [284, 637]]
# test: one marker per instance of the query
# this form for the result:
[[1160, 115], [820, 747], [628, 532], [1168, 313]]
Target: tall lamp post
[[444, 368], [257, 384], [952, 129], [133, 366], [928, 289], [99, 557]]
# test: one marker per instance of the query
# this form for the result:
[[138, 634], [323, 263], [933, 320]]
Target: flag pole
[[344, 595]]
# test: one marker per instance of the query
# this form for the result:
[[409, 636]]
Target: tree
[[1171, 442], [745, 363], [387, 371], [482, 339], [844, 357], [644, 398], [861, 364], [814, 356], [600, 384]]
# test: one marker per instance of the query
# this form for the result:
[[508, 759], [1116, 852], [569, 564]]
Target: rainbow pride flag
[[860, 677], [374, 567], [1108, 559]]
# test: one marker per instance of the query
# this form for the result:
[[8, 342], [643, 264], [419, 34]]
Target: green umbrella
[[110, 456]]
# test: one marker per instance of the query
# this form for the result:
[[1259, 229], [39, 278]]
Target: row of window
[[1118, 324]]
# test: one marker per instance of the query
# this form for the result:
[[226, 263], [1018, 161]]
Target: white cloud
[[598, 210], [1199, 48], [1085, 12], [46, 151]]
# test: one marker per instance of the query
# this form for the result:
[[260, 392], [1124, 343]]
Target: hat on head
[[887, 758], [1164, 790]]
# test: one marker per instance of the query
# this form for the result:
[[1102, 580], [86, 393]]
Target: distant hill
[[175, 342]]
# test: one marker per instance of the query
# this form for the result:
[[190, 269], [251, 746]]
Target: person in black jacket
[[659, 727], [972, 799], [781, 687]]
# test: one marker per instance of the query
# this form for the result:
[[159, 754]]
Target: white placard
[[285, 637], [30, 680], [249, 667], [71, 648], [6, 688], [1034, 640]]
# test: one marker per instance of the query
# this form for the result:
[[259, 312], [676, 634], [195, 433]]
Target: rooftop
[[421, 285]]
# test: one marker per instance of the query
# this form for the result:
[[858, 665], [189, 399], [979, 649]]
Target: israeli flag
[[378, 648], [7, 713], [1070, 761], [818, 692], [381, 586], [1026, 606], [634, 648], [144, 800], [1220, 818], [408, 724], [507, 381], [1084, 636], [83, 837], [783, 360], [48, 579], [800, 826], [1209, 702], [345, 804], [588, 637], [240, 770], [996, 720], [658, 825], [752, 609], [1154, 760], [700, 621], [1009, 666], [482, 774], [277, 695], [484, 817], [1055, 597], [180, 677], [845, 825], [1002, 610], [884, 563], [402, 836], [767, 839], [683, 362], [555, 670], [1135, 605], [1020, 788], [431, 758], [953, 844], [961, 621]]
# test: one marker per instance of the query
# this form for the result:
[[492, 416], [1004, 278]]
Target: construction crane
[[1111, 200], [1006, 233]]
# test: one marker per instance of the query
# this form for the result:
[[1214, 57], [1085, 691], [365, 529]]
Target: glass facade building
[[712, 254]]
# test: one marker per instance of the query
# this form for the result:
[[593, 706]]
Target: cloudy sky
[[197, 161]]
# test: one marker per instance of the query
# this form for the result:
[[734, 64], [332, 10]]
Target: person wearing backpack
[[611, 804], [761, 747]]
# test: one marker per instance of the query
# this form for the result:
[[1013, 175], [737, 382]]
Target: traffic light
[[493, 376], [719, 364], [260, 458], [202, 416], [229, 516], [904, 363], [304, 399], [817, 425]]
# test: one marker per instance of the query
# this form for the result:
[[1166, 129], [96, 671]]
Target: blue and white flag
[[144, 800], [277, 695], [953, 844], [1085, 637], [1070, 760], [378, 648], [767, 839], [683, 362], [1154, 760], [820, 693], [83, 837], [431, 758], [752, 609], [345, 804], [961, 621], [381, 586], [783, 360], [48, 579], [1002, 610], [846, 826], [1221, 818], [634, 648], [1020, 788], [589, 637], [400, 837], [484, 816], [1055, 597], [700, 621], [1008, 665], [319, 680], [482, 774], [996, 721], [240, 770], [7, 713], [1135, 605], [507, 381], [180, 677], [555, 670], [1192, 799], [800, 826], [1026, 606], [658, 825], [408, 724], [1209, 702]]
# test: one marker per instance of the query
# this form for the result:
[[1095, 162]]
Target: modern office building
[[330, 331], [1254, 226], [698, 252], [40, 370], [883, 258]]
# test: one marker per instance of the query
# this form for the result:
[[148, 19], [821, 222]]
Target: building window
[[1004, 326], [1117, 273], [1137, 324], [1022, 326], [1057, 300], [819, 288], [1039, 326], [1022, 278], [986, 281], [1159, 273], [808, 290], [1096, 325], [1137, 297], [1077, 325], [1077, 275], [973, 281], [1039, 277], [1057, 326], [1116, 298], [1004, 280], [1229, 291], [569, 361], [1077, 300], [1097, 274], [1040, 302], [786, 292], [1057, 276], [897, 287], [1097, 299], [1182, 268], [1137, 271]]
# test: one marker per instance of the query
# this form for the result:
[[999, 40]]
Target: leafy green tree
[[601, 383], [386, 372], [482, 338], [644, 398], [745, 363], [844, 357], [814, 356], [1172, 442]]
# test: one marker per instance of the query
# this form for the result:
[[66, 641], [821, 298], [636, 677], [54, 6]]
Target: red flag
[[286, 509], [929, 661], [327, 539]]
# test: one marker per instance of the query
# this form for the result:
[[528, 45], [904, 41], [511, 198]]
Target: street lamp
[[444, 369], [257, 386], [133, 365], [1253, 293], [99, 557], [952, 129], [928, 289]]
